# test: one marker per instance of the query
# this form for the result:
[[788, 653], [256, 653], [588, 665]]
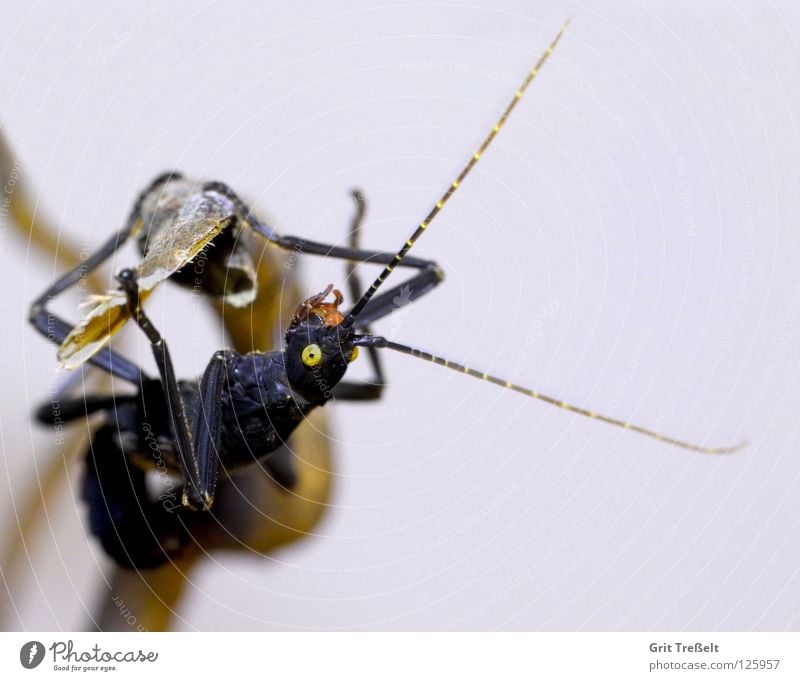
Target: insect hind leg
[[134, 530], [66, 409], [372, 389]]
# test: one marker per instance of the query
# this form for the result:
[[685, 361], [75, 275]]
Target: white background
[[630, 245]]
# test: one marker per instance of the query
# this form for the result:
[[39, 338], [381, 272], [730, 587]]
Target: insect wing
[[168, 251]]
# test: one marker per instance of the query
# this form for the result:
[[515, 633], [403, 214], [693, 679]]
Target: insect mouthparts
[[328, 312]]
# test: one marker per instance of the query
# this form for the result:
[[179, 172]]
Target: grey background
[[630, 244]]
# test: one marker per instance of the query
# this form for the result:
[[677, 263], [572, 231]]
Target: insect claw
[[196, 501], [188, 502], [125, 276]]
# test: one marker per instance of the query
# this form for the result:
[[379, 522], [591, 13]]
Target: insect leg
[[134, 530], [371, 389], [198, 458], [207, 429], [56, 329], [399, 296], [304, 246], [378, 307], [71, 408], [280, 466], [381, 305]]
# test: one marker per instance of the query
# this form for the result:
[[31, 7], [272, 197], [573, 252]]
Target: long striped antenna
[[359, 306], [380, 342]]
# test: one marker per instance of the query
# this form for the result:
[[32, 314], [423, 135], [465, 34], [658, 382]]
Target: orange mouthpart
[[328, 313], [316, 305]]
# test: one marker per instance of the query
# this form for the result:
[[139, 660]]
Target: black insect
[[244, 406]]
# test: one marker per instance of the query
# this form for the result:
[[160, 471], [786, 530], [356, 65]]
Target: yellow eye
[[312, 355], [354, 354]]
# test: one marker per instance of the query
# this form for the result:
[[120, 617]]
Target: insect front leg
[[381, 306], [196, 439], [401, 295], [429, 276], [296, 244], [372, 389], [56, 329], [378, 307]]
